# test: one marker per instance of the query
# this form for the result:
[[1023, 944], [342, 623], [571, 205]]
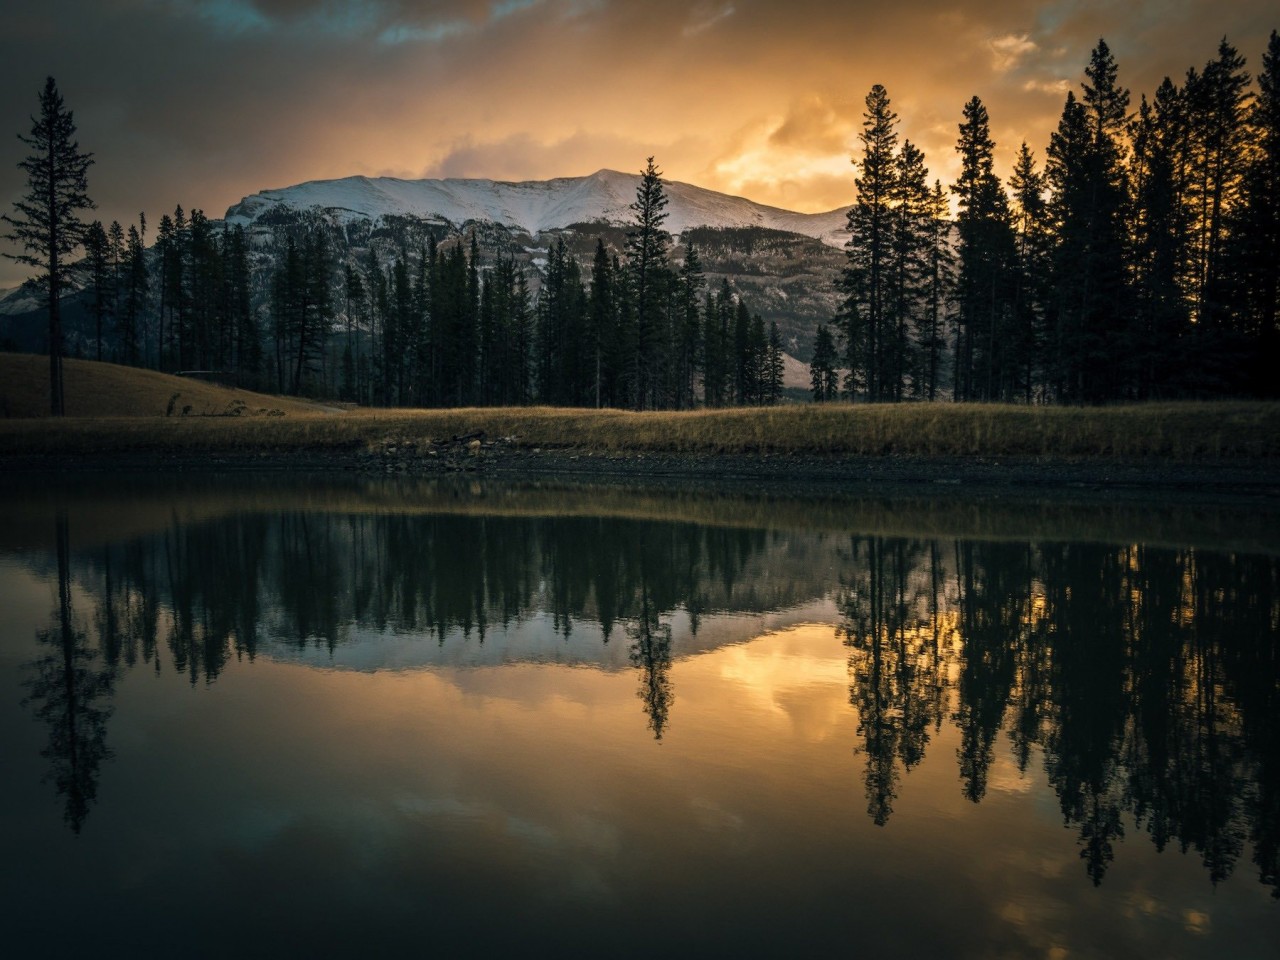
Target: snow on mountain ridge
[[535, 205]]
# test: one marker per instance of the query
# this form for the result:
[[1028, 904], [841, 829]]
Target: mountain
[[533, 206], [784, 264]]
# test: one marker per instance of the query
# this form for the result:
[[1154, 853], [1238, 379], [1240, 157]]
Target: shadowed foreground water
[[349, 720]]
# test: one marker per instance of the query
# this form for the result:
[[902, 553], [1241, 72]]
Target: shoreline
[[784, 474]]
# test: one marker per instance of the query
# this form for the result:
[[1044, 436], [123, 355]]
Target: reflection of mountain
[[1148, 680]]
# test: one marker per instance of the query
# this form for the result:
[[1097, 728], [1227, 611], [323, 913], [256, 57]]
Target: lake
[[255, 715]]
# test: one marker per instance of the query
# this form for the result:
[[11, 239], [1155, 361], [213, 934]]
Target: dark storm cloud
[[200, 102]]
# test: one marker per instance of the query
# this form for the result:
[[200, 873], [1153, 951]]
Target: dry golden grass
[[1166, 431], [95, 389]]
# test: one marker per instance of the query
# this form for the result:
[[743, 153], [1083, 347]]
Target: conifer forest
[[1134, 256]]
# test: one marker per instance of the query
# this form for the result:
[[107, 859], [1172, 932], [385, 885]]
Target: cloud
[[815, 123], [1008, 51], [201, 102], [704, 16], [523, 156], [1057, 88]]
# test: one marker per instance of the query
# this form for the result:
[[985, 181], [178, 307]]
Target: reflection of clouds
[[797, 675], [1004, 777]]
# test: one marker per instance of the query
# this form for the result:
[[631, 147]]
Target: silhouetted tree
[[45, 222]]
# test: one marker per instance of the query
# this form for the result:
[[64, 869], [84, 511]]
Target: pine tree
[[602, 325], [713, 349], [522, 330], [98, 264], [115, 247], [743, 361], [1157, 245], [823, 379], [1258, 227], [689, 327], [985, 249], [1066, 173], [908, 270], [941, 269], [864, 282], [1030, 266], [1217, 102], [775, 368], [45, 222], [247, 339], [647, 245], [1097, 289], [137, 290]]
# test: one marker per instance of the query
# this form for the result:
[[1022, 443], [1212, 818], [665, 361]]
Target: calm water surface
[[250, 717]]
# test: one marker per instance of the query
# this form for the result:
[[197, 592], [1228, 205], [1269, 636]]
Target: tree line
[[432, 325], [1139, 261], [437, 326]]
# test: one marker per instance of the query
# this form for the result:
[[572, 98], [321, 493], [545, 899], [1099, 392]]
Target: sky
[[202, 102]]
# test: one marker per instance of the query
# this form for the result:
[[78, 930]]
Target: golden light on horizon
[[759, 100]]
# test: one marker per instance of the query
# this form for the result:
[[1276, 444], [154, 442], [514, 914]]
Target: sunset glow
[[201, 102]]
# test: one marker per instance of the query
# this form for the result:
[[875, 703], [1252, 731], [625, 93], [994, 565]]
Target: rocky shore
[[507, 459]]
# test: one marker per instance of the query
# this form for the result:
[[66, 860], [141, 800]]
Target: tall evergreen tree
[[1216, 102], [115, 247], [45, 222], [1086, 177], [1157, 245], [823, 379], [1257, 230], [865, 281], [985, 249], [647, 245], [602, 326], [908, 270], [137, 287], [1030, 273], [774, 367], [688, 327], [98, 267], [714, 347], [940, 277], [246, 348]]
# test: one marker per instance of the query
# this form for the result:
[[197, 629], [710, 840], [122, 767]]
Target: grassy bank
[[1180, 432], [95, 389]]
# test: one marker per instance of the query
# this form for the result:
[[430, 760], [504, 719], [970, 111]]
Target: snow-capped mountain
[[533, 206]]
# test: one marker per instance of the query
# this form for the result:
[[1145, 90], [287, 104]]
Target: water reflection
[[1140, 683], [69, 691], [1146, 678]]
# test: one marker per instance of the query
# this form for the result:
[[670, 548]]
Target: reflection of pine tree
[[71, 694], [651, 652], [1147, 677], [1087, 607], [994, 607], [895, 668]]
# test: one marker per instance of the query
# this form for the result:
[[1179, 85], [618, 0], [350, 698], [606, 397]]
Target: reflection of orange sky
[[538, 788], [543, 781]]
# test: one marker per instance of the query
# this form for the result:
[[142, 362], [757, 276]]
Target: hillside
[[785, 264], [107, 390]]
